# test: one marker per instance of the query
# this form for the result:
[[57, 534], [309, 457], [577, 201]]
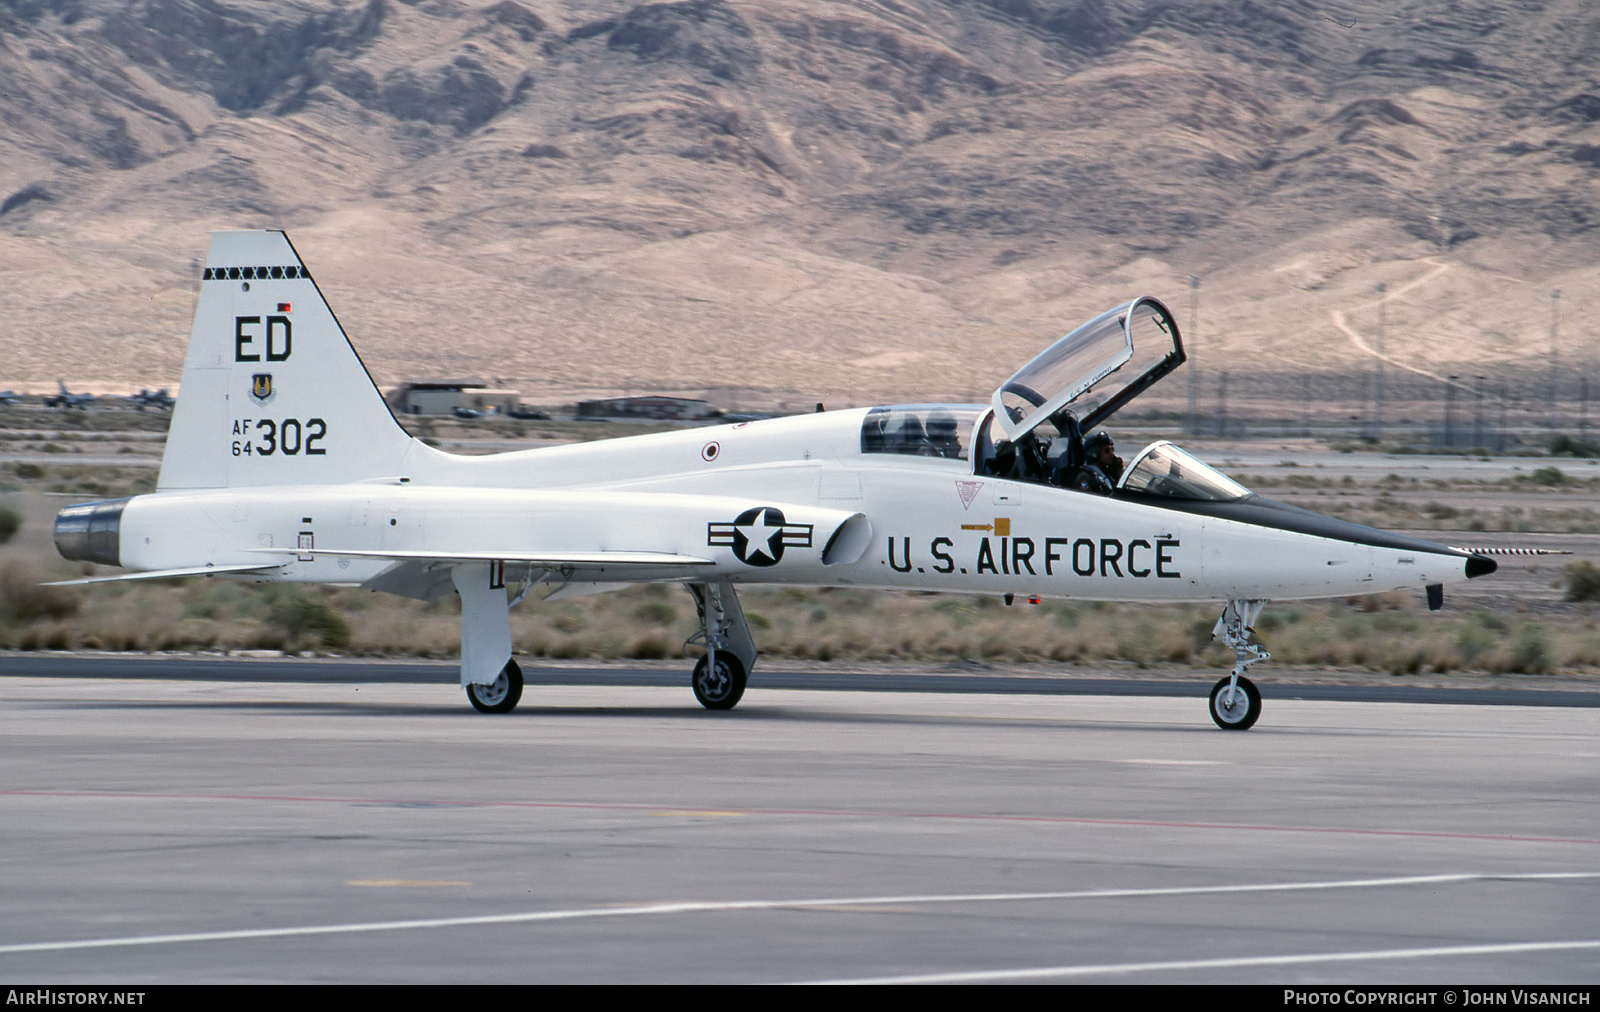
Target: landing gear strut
[[1235, 701], [719, 676]]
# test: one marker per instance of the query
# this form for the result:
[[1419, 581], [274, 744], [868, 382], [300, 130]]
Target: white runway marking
[[1045, 972], [713, 906]]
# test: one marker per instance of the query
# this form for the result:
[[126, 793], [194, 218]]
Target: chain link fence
[[1468, 411]]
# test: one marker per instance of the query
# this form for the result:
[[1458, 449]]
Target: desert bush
[[1566, 446], [10, 523], [657, 612], [1396, 622], [1200, 632], [569, 623], [1528, 654], [651, 647], [23, 599], [1473, 641], [1583, 580], [302, 615], [568, 650]]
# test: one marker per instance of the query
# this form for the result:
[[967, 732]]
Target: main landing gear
[[719, 676], [1235, 701], [719, 687], [500, 695]]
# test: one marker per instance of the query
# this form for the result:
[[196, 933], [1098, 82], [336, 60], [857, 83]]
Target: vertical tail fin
[[273, 392]]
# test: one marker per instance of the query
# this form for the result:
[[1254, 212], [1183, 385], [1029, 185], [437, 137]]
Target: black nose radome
[[1480, 565]]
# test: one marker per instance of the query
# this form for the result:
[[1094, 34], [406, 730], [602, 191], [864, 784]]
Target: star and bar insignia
[[759, 536]]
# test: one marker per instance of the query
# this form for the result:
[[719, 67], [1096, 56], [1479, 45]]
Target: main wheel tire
[[500, 695], [1238, 710], [721, 689]]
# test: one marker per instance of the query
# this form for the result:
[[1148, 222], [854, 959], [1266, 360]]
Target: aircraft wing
[[552, 560], [166, 574], [547, 560], [425, 575]]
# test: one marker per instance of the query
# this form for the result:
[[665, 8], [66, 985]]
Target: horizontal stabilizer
[[554, 560], [165, 574]]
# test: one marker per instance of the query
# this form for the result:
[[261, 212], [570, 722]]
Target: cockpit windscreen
[[920, 430], [1165, 470]]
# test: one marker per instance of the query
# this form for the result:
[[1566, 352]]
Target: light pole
[[1583, 406], [1449, 412], [1377, 390], [1555, 319], [1194, 372], [1222, 404], [1477, 415]]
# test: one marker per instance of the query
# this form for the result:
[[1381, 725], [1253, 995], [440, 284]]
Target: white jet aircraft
[[284, 463]]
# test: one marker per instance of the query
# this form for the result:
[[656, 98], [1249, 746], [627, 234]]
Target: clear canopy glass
[[920, 430], [1164, 469], [1138, 340]]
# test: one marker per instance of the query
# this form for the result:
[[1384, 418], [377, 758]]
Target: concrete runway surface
[[190, 831]]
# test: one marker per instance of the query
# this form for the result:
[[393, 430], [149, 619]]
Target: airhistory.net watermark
[[51, 996]]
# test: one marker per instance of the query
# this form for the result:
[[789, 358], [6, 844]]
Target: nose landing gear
[[1235, 701]]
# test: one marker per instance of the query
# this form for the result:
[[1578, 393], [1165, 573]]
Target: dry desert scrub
[[1383, 633]]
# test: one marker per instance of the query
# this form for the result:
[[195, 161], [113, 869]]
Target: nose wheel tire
[[719, 689], [1235, 709], [500, 695]]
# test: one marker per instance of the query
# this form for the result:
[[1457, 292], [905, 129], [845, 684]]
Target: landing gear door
[[1094, 370]]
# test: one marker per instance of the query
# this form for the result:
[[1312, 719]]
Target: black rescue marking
[[289, 273], [759, 536]]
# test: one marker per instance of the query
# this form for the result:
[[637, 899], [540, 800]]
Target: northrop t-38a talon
[[284, 463]]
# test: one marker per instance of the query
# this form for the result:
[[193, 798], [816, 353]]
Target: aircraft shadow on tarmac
[[751, 712]]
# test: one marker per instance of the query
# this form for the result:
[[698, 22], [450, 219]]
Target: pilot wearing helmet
[[1102, 467]]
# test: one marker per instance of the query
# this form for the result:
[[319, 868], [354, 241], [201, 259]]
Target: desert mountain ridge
[[786, 201]]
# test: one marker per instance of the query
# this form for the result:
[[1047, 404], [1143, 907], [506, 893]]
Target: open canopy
[[1165, 470], [1094, 370]]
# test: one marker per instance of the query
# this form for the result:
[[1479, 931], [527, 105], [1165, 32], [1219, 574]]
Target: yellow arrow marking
[[1001, 526]]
